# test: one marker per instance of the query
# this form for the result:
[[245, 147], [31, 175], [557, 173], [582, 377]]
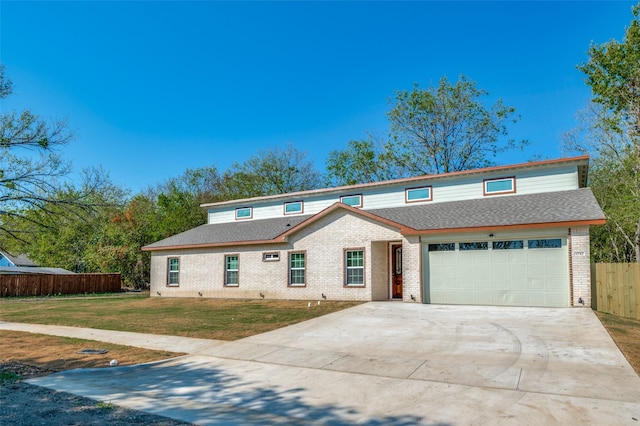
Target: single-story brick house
[[509, 235]]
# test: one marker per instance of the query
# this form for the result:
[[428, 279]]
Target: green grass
[[8, 377], [205, 318], [105, 405]]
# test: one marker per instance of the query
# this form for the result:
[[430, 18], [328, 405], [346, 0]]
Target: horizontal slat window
[[442, 247], [500, 186], [352, 200], [508, 245], [474, 246], [244, 213], [294, 207], [546, 243], [413, 195]]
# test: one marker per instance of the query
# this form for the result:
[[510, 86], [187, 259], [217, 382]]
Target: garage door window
[[442, 247], [508, 245], [474, 246], [548, 243]]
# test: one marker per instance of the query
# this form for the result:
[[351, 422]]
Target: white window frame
[[176, 272], [486, 182], [227, 270], [271, 256], [298, 268], [408, 191], [344, 197], [292, 203], [241, 209], [348, 268]]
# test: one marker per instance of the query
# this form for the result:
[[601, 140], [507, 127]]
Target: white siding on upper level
[[446, 188]]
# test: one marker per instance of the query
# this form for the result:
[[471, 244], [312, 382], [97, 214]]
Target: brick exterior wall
[[202, 270], [412, 269], [580, 266]]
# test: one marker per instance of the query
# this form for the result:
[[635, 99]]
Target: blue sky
[[154, 88]]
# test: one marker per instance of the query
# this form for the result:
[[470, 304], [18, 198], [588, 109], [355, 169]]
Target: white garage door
[[514, 272]]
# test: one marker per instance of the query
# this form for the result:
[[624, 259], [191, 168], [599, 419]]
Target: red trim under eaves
[[208, 245], [282, 238], [404, 230], [519, 226], [400, 227]]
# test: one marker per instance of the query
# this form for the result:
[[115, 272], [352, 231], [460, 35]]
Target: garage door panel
[[554, 270], [516, 277]]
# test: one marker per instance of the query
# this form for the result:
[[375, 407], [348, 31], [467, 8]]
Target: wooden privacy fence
[[615, 289], [12, 285]]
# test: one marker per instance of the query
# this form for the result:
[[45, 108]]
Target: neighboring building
[[21, 264], [9, 261], [509, 235]]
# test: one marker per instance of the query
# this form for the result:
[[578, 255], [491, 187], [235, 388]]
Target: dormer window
[[500, 186], [244, 213], [352, 200]]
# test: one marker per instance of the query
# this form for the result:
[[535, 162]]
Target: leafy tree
[[442, 129], [613, 73], [363, 161], [177, 201], [447, 128], [117, 247], [31, 170], [613, 179], [270, 172], [65, 236]]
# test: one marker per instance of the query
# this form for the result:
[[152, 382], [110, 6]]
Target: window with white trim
[[173, 271], [244, 213], [271, 256], [231, 270], [294, 207], [297, 269], [352, 200], [354, 267], [413, 195], [500, 186]]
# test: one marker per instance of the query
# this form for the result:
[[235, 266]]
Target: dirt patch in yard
[[27, 355], [626, 333]]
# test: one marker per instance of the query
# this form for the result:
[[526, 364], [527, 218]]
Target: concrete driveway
[[388, 363]]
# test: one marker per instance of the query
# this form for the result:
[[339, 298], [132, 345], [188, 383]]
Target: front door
[[396, 271]]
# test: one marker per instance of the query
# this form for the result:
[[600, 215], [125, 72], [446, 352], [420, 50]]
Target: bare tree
[[32, 171]]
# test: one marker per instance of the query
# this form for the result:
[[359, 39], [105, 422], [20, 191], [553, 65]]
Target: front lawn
[[204, 318], [626, 333]]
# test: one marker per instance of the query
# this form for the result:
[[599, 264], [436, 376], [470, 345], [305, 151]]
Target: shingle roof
[[20, 260], [34, 270], [544, 208], [240, 231], [547, 207]]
